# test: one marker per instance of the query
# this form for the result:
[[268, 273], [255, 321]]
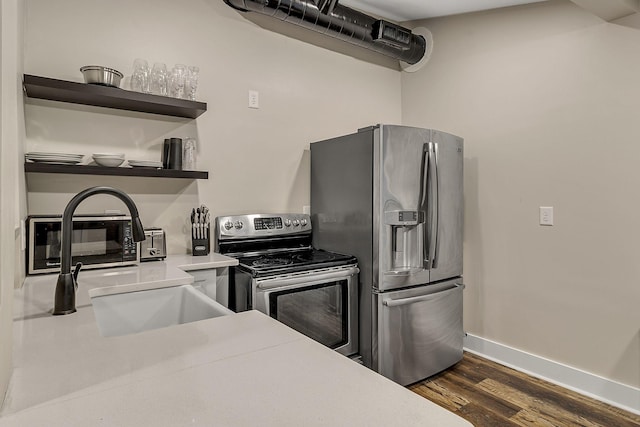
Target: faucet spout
[[65, 296]]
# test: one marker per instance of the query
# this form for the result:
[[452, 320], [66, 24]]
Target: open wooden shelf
[[110, 97], [114, 171]]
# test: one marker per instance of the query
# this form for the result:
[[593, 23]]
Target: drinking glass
[[140, 76], [192, 82], [178, 75], [158, 79], [189, 154]]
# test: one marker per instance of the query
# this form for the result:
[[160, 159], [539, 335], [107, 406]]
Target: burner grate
[[292, 261], [271, 262]]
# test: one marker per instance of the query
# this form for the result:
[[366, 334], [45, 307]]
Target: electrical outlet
[[546, 215], [306, 209], [254, 99]]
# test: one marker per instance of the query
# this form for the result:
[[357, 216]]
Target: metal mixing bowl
[[98, 75]]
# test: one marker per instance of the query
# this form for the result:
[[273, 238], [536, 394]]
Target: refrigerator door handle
[[433, 217], [436, 207], [424, 176], [421, 298], [424, 192]]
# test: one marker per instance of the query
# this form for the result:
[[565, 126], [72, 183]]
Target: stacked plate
[[108, 159], [56, 158], [145, 164]]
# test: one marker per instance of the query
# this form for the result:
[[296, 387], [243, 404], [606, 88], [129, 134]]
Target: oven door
[[321, 304]]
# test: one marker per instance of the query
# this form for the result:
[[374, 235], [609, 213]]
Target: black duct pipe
[[346, 24]]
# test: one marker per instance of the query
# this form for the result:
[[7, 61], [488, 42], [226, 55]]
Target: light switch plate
[[254, 99], [23, 235], [546, 215]]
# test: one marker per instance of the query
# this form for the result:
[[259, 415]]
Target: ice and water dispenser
[[405, 241]]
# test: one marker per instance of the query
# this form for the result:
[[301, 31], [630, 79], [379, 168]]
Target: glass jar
[[189, 154]]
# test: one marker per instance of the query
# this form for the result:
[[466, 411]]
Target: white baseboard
[[620, 395]]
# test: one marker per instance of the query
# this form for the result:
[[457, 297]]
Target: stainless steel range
[[279, 273]]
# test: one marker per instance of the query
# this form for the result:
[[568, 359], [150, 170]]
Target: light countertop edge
[[173, 271], [236, 370]]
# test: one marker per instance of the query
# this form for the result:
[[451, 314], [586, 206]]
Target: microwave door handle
[[434, 209]]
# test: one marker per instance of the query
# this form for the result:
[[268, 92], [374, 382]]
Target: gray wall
[[547, 98], [258, 160], [12, 194]]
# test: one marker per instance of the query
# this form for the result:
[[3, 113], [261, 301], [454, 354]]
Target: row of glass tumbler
[[181, 82]]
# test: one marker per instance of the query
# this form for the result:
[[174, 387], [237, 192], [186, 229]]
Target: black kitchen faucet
[[65, 296]]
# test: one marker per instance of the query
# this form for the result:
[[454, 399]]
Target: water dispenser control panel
[[403, 218]]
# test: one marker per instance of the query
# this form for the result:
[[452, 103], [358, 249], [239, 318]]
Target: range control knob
[[287, 222], [238, 225], [296, 223], [303, 222], [228, 225]]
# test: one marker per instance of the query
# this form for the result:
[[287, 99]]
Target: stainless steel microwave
[[98, 241]]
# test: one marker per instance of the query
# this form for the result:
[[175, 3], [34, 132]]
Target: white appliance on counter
[[392, 196], [154, 246]]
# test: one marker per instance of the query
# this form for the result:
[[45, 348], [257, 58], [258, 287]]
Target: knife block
[[200, 247]]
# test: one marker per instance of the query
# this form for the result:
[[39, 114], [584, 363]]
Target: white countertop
[[245, 369]]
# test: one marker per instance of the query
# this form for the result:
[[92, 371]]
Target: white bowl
[[108, 155], [108, 161]]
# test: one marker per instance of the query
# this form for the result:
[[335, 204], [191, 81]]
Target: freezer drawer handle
[[411, 300]]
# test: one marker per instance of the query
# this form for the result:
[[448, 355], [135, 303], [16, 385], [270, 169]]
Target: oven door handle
[[303, 279]]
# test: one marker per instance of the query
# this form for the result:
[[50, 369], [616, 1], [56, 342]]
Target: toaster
[[154, 246]]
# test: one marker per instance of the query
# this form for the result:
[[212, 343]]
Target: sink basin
[[133, 312]]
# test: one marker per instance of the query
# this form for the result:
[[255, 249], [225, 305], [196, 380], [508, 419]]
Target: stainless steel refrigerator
[[392, 196]]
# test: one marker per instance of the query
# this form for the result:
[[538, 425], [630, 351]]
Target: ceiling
[[409, 10]]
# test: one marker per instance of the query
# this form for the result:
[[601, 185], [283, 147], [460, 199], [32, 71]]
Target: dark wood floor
[[489, 394]]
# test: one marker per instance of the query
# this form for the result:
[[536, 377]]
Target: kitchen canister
[[166, 148], [189, 154], [175, 156], [172, 153]]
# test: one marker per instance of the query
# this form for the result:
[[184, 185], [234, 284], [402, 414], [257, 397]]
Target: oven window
[[319, 312]]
